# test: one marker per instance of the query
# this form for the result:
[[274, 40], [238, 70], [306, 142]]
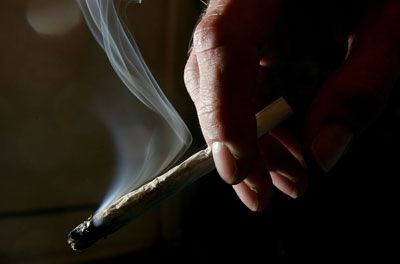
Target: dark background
[[57, 159]]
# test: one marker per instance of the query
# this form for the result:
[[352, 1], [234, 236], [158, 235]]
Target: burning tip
[[84, 235]]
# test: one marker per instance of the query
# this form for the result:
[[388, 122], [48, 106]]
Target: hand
[[221, 76]]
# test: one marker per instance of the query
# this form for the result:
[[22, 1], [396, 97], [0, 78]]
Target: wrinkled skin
[[222, 76]]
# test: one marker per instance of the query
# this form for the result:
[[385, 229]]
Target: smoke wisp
[[153, 136]]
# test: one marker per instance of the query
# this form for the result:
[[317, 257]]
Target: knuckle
[[190, 77], [209, 33]]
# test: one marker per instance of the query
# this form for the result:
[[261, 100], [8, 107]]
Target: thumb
[[354, 96], [342, 109]]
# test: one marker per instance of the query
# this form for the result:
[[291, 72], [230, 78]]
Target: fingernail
[[225, 163], [330, 144]]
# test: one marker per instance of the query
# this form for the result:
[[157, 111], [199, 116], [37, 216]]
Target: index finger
[[226, 44]]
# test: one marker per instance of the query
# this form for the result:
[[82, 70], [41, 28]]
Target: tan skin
[[221, 77]]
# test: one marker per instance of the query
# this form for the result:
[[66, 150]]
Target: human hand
[[221, 76]]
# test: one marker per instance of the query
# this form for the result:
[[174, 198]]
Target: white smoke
[[150, 140]]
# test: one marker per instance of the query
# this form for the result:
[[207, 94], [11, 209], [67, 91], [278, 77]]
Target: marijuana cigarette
[[134, 203]]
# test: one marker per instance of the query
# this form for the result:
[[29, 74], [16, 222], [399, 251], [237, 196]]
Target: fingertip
[[287, 185], [191, 77], [330, 144], [247, 196], [225, 163], [254, 192]]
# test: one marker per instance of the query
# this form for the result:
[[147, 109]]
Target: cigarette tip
[[81, 237]]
